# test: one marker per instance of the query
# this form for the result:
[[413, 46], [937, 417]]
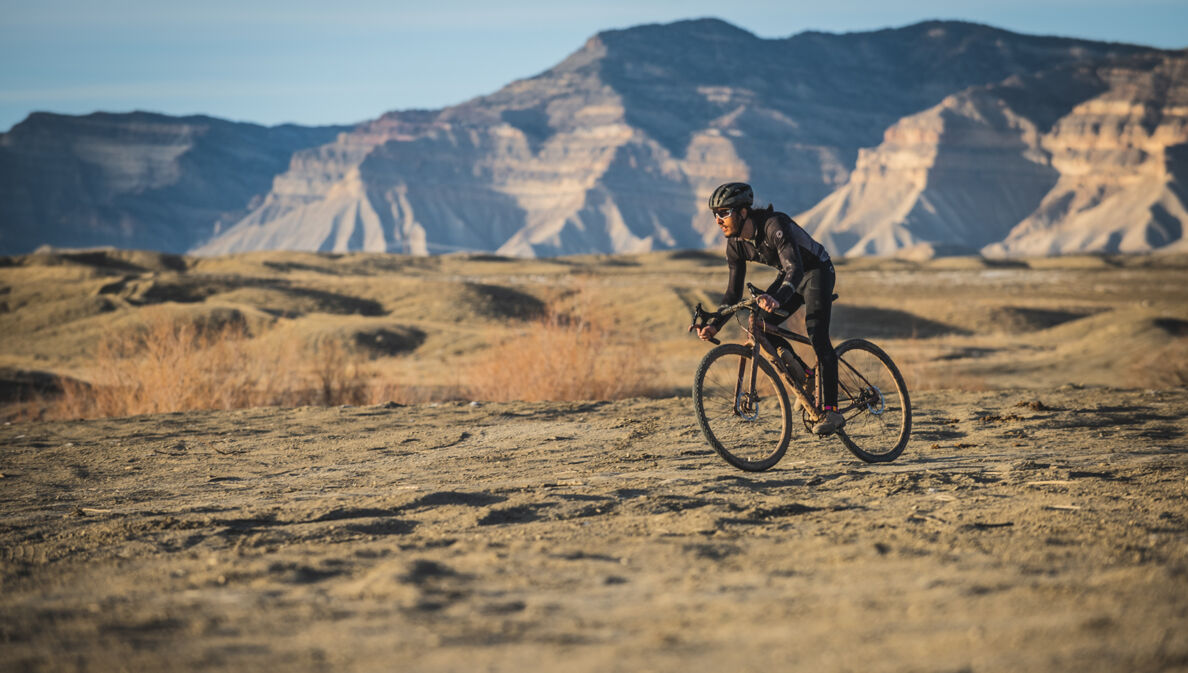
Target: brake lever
[[699, 312]]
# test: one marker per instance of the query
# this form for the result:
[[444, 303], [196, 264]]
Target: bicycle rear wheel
[[872, 396], [749, 430]]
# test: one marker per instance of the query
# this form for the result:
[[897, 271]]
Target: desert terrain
[[1037, 521]]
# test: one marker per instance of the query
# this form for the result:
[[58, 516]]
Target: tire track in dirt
[[535, 536]]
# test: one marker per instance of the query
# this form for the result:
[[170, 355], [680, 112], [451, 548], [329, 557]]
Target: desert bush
[[169, 365], [576, 351], [339, 374]]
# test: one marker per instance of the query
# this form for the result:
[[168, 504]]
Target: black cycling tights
[[818, 306]]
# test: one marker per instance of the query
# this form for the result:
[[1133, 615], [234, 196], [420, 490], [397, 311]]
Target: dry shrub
[[339, 374], [180, 365], [574, 354]]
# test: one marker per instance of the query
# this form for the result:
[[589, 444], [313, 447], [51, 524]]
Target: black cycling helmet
[[732, 195]]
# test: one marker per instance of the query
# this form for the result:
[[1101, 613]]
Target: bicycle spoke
[[870, 386], [748, 429]]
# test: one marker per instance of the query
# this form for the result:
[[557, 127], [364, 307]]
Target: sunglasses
[[723, 213]]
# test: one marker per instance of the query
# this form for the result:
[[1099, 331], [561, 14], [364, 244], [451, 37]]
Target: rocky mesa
[[136, 180], [937, 137], [1074, 159], [614, 149]]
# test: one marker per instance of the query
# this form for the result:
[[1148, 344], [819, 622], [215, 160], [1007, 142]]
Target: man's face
[[729, 220]]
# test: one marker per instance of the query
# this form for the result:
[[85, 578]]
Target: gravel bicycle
[[740, 393]]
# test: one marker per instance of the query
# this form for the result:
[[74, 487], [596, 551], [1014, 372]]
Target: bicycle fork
[[746, 396], [746, 402]]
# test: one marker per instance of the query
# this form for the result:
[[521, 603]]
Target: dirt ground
[[1022, 530]]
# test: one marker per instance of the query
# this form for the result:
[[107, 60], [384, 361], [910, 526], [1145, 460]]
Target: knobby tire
[[756, 439], [874, 400]]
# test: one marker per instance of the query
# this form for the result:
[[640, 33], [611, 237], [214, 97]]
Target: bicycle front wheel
[[872, 396], [749, 426]]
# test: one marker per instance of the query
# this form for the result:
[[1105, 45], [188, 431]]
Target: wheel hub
[[747, 406], [874, 401]]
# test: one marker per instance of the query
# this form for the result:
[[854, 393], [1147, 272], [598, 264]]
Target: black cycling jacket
[[780, 243]]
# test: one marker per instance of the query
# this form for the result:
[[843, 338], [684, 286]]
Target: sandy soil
[[1033, 530]]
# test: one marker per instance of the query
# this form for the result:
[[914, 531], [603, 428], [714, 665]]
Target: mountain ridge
[[138, 179], [677, 109], [615, 147], [1025, 164]]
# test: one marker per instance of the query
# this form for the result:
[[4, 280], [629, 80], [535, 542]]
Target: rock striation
[[137, 180], [937, 138], [1082, 158], [616, 148]]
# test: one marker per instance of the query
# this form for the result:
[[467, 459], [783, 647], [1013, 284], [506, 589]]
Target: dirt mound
[[55, 313], [107, 260], [277, 297], [872, 322], [467, 300], [389, 340], [20, 384], [1073, 262], [1014, 319], [707, 257], [478, 257], [1173, 326], [206, 317], [290, 301], [372, 337], [875, 264], [972, 263]]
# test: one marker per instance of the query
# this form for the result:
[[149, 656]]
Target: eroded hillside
[[423, 324]]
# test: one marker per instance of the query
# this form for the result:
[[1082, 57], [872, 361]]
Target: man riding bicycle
[[806, 278]]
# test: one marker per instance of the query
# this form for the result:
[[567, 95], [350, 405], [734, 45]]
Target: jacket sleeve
[[791, 266], [738, 275]]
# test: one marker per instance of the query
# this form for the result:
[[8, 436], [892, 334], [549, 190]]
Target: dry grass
[[577, 351], [171, 364]]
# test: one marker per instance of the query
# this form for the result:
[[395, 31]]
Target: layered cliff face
[[135, 180], [616, 148], [942, 137], [1074, 159], [1122, 161]]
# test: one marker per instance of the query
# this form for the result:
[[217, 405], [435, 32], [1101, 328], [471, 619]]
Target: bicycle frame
[[759, 343]]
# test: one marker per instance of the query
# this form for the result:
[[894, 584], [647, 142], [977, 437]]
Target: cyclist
[[806, 278]]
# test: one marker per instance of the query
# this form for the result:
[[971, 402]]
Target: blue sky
[[319, 62]]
